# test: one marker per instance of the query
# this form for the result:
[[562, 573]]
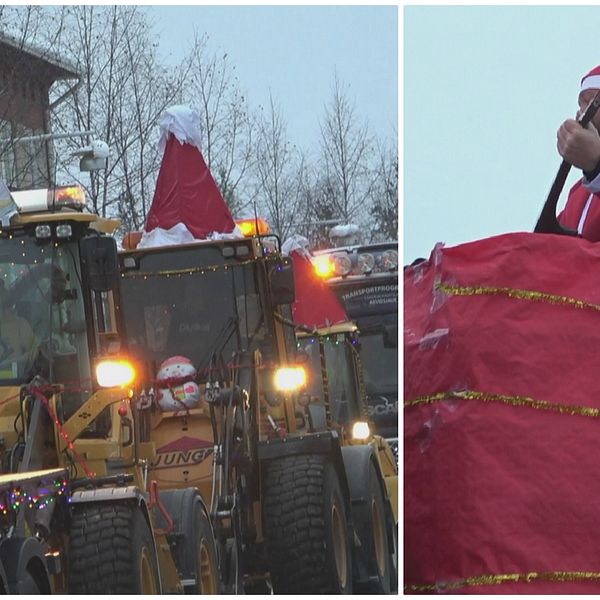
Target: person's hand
[[578, 146]]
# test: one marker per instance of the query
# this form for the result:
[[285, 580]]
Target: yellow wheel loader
[[77, 513], [299, 505]]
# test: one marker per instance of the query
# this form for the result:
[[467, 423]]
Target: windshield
[[42, 324], [189, 303], [380, 363], [343, 394]]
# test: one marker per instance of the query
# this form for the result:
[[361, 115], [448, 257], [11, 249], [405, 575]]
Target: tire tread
[[294, 505], [101, 560]]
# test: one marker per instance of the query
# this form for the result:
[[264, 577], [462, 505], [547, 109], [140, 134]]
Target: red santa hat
[[591, 81], [316, 306], [187, 203]]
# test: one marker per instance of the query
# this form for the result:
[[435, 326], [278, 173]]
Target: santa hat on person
[[591, 81], [187, 204]]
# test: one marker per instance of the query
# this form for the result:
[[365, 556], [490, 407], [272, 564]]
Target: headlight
[[323, 265], [43, 232], [361, 430], [290, 379], [342, 264], [64, 231], [389, 260], [366, 262], [114, 373]]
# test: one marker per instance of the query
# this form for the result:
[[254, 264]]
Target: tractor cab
[[365, 280], [335, 395], [57, 285]]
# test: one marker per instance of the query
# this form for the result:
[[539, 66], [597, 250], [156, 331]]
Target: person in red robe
[[581, 147]]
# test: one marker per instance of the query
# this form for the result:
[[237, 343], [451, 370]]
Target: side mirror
[[283, 288], [99, 261]]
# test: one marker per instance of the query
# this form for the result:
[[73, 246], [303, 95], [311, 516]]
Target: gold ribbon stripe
[[558, 576], [584, 411], [515, 293]]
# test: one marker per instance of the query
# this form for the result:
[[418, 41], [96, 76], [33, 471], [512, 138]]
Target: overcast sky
[[294, 51], [485, 90]]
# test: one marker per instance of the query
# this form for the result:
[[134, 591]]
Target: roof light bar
[[47, 199]]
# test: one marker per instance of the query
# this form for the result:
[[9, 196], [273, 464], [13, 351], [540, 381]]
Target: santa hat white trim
[[183, 122], [296, 243], [590, 83], [180, 234]]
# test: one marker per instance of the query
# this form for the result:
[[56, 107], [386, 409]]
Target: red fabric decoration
[[186, 193], [493, 487], [316, 305]]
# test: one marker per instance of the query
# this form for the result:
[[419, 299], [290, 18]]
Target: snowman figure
[[177, 389]]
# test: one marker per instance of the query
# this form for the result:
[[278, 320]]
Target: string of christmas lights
[[194, 270], [190, 271], [19, 496]]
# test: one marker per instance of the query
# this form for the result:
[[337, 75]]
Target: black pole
[[547, 222]]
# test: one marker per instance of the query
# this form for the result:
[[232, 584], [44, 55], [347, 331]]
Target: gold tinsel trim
[[584, 411], [515, 293], [560, 576], [190, 270], [174, 272]]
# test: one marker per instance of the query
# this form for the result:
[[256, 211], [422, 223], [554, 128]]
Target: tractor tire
[[3, 581], [195, 551], [24, 569], [111, 551], [394, 564], [305, 524], [204, 555], [370, 522]]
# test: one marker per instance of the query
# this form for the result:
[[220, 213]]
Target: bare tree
[[384, 196], [345, 155], [319, 212], [280, 173], [123, 92], [227, 127]]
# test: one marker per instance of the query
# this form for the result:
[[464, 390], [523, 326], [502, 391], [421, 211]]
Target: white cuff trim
[[592, 186], [591, 83], [181, 121]]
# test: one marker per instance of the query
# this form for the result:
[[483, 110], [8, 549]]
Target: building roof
[[56, 68]]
